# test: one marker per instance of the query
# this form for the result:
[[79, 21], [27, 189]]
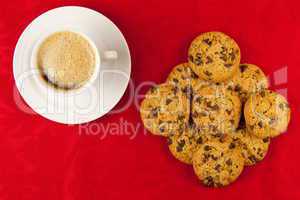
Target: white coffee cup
[[108, 55]]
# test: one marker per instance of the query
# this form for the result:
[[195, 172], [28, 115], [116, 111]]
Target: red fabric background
[[40, 159]]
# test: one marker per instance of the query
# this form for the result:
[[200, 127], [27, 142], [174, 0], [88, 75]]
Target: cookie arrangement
[[218, 115]]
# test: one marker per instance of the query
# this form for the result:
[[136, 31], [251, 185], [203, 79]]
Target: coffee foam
[[66, 60]]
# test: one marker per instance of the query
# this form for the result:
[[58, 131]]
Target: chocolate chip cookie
[[267, 114], [218, 163], [253, 148], [165, 110], [249, 79], [216, 109], [214, 56]]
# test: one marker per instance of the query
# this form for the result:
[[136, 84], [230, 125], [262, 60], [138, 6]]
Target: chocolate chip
[[153, 89], [168, 101], [232, 145], [212, 118], [199, 140], [161, 129], [209, 104], [228, 65], [213, 128], [224, 50], [169, 141], [181, 117], [207, 41], [209, 60], [266, 140], [198, 100], [175, 80], [259, 150], [238, 88], [243, 68], [179, 69], [230, 87], [260, 124], [191, 58], [232, 56], [218, 135], [223, 57], [209, 181], [205, 158], [207, 148], [180, 145], [195, 114], [218, 167], [262, 93], [207, 73], [253, 159], [154, 112], [187, 90], [229, 162], [175, 90], [214, 158], [213, 107], [222, 138], [193, 75], [228, 111], [198, 60]]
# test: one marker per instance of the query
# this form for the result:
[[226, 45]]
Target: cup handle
[[110, 55]]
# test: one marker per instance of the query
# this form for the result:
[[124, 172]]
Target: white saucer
[[106, 91]]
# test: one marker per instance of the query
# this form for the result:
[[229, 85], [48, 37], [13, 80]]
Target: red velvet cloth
[[40, 159]]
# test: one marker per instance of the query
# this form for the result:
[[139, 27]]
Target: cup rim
[[48, 87]]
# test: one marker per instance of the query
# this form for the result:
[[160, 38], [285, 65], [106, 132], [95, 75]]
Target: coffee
[[66, 60]]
